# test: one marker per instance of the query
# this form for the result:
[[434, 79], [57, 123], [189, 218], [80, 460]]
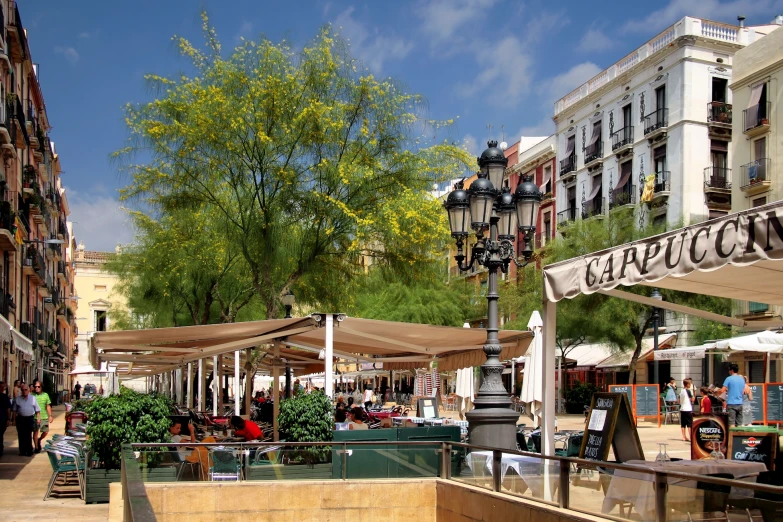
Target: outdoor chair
[[65, 461], [224, 464], [671, 410]]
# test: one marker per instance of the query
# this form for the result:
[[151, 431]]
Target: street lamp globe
[[528, 200], [507, 212], [458, 207], [288, 302], [482, 197], [656, 294], [493, 161]]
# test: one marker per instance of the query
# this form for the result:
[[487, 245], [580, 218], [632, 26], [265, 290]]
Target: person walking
[[686, 409], [733, 386], [26, 413], [5, 413], [17, 389], [77, 390], [45, 405]]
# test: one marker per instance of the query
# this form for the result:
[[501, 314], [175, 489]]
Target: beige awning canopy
[[735, 256], [397, 345]]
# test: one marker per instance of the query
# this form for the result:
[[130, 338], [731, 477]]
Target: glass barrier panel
[[289, 463], [530, 477], [602, 491], [473, 468]]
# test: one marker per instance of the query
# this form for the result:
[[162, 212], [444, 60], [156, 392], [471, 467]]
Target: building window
[[100, 320], [719, 89], [546, 188], [99, 288], [756, 113], [627, 115], [571, 196], [759, 201], [660, 98], [659, 222], [714, 214], [547, 227]]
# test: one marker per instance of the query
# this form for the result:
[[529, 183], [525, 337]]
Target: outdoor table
[[529, 469], [641, 493]]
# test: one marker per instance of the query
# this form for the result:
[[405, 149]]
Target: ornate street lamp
[[288, 302], [493, 423], [656, 316]]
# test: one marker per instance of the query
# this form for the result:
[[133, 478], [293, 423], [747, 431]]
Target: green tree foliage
[[127, 417], [595, 317], [305, 160], [180, 271]]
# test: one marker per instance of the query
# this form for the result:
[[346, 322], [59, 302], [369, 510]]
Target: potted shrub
[[307, 417], [118, 419], [579, 396]]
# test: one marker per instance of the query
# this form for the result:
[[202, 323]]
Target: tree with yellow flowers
[[307, 163]]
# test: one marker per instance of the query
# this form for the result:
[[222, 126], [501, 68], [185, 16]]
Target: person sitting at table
[[176, 436], [340, 415], [248, 430], [357, 420]]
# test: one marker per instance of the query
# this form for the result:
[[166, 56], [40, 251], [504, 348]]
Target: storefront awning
[[680, 354], [623, 359], [5, 330], [22, 343]]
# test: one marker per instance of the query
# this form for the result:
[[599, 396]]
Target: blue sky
[[494, 62]]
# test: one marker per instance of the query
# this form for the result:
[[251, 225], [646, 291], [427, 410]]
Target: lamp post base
[[493, 427]]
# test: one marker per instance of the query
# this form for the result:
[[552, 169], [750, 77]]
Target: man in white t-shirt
[[686, 408]]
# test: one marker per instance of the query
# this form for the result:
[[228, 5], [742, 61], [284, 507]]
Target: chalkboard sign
[[774, 402], [756, 405], [648, 403], [754, 446], [627, 389], [610, 425]]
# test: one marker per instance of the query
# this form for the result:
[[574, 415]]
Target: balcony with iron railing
[[32, 124], [593, 208], [717, 178], [662, 180], [755, 120], [623, 197], [17, 40], [756, 175], [7, 304], [19, 137], [719, 113], [622, 139], [566, 216], [656, 122], [568, 164], [8, 207], [594, 153], [698, 28], [34, 265]]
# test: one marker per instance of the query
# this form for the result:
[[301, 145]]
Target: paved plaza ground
[[23, 479]]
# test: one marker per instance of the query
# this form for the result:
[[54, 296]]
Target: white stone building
[[651, 134]]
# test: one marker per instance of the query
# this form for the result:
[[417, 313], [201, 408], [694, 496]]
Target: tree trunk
[[634, 358]]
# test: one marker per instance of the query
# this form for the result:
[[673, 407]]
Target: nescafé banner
[[739, 239]]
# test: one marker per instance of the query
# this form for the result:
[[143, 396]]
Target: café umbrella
[[533, 385]]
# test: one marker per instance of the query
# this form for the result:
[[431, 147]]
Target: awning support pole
[[215, 384], [237, 395], [548, 372], [248, 380], [190, 385], [276, 390], [329, 351], [202, 379]]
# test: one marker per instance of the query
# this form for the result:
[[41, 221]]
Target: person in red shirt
[[706, 403], [247, 429]]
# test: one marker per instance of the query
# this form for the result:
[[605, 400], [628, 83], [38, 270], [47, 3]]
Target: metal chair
[[224, 464], [670, 410]]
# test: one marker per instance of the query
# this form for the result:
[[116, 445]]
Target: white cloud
[[244, 31], [595, 40], [506, 71], [560, 85], [371, 48], [84, 35], [100, 222], [471, 144], [69, 52], [442, 19], [544, 127], [712, 9]]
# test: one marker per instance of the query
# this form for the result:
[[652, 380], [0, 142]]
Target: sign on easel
[[643, 398], [610, 425], [773, 402]]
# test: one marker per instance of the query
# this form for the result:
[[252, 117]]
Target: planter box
[[289, 472], [97, 485]]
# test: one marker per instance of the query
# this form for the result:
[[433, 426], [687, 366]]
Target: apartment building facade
[[37, 300], [757, 149], [652, 131]]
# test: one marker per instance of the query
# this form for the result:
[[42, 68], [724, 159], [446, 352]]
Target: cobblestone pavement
[[24, 480]]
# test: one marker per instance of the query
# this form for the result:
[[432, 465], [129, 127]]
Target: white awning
[[5, 330], [679, 354], [623, 359], [703, 259], [22, 343], [767, 342]]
